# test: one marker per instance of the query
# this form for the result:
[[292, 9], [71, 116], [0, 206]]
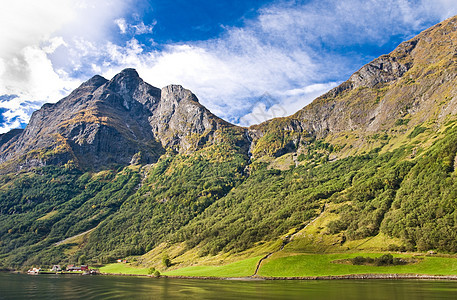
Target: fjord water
[[20, 286]]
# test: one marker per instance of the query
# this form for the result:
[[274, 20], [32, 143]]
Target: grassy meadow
[[241, 268], [308, 265], [324, 265], [120, 268]]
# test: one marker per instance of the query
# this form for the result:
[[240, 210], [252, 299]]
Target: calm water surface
[[19, 286]]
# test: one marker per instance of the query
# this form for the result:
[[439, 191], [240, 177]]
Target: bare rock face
[[101, 123], [12, 134], [417, 81], [385, 68], [381, 70], [355, 103], [180, 122], [117, 122], [133, 90]]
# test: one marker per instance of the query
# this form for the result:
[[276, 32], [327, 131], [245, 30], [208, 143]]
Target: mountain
[[104, 123], [414, 83], [122, 169]]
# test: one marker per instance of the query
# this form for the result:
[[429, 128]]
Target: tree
[[82, 260], [166, 261]]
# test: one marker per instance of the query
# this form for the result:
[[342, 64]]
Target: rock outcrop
[[106, 123], [180, 122], [418, 76]]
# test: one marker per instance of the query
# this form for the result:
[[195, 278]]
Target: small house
[[72, 268], [34, 271], [56, 268]]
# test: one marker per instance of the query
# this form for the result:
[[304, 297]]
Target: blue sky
[[247, 61]]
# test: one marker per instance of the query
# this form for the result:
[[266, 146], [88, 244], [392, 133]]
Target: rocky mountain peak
[[125, 82], [132, 89], [176, 93], [95, 81], [181, 123], [105, 122]]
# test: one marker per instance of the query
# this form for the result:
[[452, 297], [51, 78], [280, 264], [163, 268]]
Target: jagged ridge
[[104, 123], [416, 81]]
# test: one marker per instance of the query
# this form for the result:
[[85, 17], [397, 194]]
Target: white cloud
[[351, 22], [287, 51], [41, 43], [27, 22], [282, 104], [53, 44], [17, 110], [141, 28], [122, 24], [293, 52], [136, 29]]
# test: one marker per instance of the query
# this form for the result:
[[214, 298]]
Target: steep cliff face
[[392, 86], [104, 123], [101, 123], [12, 134], [180, 122], [416, 82]]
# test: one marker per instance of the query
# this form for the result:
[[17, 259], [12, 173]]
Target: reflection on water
[[19, 286]]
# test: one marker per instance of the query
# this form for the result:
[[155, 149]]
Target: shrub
[[417, 130], [166, 261], [384, 260], [358, 260]]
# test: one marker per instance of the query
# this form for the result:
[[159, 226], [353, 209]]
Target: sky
[[246, 60]]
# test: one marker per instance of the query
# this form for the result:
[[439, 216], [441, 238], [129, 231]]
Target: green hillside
[[210, 205], [366, 169]]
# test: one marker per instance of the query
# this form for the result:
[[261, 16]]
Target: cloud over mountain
[[290, 50]]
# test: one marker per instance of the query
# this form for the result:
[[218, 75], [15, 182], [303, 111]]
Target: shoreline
[[367, 276], [326, 277]]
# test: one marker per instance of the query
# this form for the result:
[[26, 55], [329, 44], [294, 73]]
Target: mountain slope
[[371, 164], [413, 84], [117, 122]]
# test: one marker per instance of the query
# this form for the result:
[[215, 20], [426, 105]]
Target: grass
[[183, 258], [282, 163], [321, 265], [119, 268], [374, 243], [48, 215], [241, 268], [76, 242]]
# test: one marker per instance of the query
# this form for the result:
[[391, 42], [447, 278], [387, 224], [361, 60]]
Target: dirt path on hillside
[[72, 237], [286, 241]]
